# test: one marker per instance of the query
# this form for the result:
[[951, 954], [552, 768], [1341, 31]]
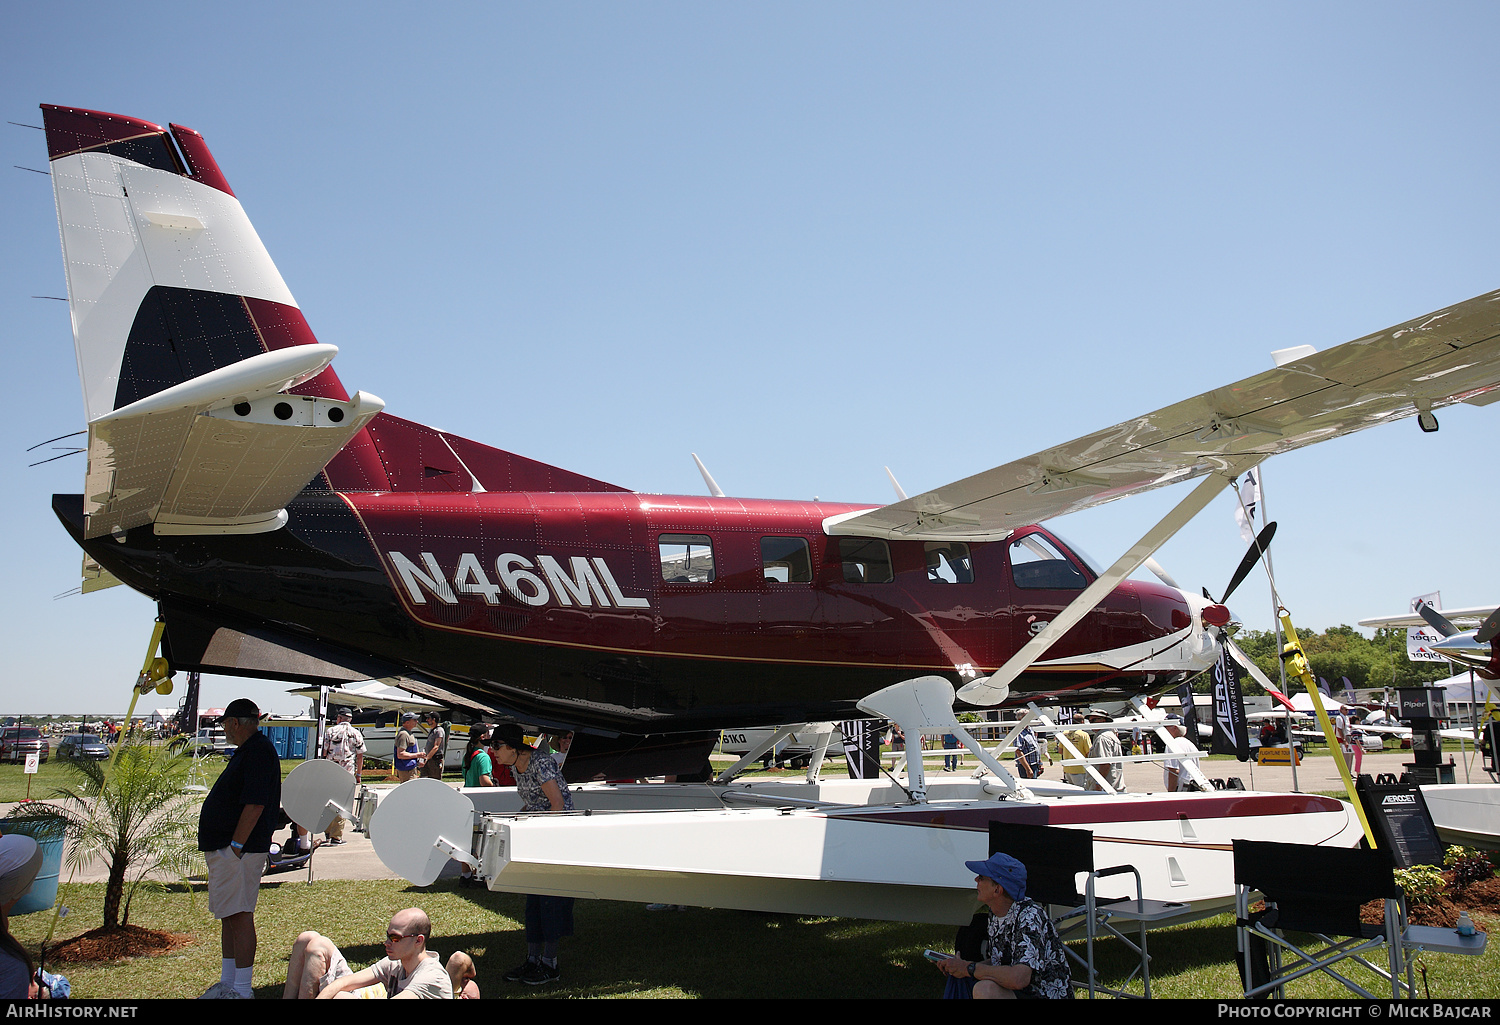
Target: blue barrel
[[48, 833]]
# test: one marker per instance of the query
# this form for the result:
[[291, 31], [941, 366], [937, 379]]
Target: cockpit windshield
[[1079, 554]]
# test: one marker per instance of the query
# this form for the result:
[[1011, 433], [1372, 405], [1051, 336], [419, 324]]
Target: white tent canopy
[[371, 694], [1456, 689]]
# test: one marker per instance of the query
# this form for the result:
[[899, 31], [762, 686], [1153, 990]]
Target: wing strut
[[993, 690]]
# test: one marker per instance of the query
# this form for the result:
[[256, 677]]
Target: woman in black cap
[[542, 788]]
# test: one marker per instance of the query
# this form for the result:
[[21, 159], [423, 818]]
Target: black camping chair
[[1054, 857], [1315, 890]]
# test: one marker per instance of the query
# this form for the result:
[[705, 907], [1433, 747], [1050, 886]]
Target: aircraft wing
[[1470, 617], [1451, 355]]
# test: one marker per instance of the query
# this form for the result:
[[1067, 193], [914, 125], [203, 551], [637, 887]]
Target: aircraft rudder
[[167, 278]]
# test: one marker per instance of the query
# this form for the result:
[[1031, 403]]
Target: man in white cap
[[1106, 745], [344, 745]]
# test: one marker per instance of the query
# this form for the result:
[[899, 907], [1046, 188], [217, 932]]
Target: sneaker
[[539, 974], [518, 973], [336, 841]]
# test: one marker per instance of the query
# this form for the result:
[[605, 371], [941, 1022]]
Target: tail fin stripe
[[201, 163]]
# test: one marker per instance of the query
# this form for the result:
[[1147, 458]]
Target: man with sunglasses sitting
[[408, 971]]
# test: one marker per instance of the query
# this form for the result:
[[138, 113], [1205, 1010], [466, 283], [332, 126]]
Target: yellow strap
[[1297, 666], [135, 690]]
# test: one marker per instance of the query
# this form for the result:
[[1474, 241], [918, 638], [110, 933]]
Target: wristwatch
[[972, 966]]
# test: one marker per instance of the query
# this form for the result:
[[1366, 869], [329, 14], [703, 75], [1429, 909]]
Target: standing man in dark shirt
[[234, 832], [437, 746]]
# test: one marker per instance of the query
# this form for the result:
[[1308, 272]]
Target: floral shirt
[[344, 742], [1027, 936], [539, 770]]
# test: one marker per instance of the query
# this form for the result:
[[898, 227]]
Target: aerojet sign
[[1229, 737]]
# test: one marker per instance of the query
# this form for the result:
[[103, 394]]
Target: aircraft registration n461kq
[[292, 531]]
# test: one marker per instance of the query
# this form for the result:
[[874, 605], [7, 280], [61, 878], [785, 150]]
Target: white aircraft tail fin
[[167, 279]]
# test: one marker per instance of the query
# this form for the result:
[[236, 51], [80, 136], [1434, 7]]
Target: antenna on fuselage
[[713, 485], [900, 492]]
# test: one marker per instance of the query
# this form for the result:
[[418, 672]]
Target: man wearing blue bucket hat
[[1027, 959]]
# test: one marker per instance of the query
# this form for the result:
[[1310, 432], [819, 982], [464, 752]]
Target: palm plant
[[134, 815]]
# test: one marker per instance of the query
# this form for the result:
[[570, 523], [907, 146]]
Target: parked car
[[16, 742], [82, 745], [211, 741]]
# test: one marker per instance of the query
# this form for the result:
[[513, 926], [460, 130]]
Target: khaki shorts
[[337, 970], [233, 883]]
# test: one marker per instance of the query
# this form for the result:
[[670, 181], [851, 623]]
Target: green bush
[[1468, 866], [1422, 884]]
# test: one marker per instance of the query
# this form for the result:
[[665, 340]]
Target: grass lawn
[[622, 950], [55, 774]]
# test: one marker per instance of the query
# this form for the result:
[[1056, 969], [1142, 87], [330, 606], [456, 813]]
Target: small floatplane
[[288, 530]]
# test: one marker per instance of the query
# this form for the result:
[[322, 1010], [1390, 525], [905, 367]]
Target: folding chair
[[1054, 857], [1315, 890]]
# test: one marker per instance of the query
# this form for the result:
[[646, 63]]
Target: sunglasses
[[396, 937]]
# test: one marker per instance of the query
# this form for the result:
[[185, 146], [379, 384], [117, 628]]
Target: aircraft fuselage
[[634, 612]]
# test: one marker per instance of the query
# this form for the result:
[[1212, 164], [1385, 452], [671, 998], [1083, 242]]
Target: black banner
[[1230, 736], [1189, 713], [862, 748]]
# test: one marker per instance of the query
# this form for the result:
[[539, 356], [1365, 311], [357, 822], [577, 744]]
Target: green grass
[[622, 950], [55, 773]]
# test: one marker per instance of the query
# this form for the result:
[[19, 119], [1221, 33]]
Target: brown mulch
[[1481, 900], [116, 944]]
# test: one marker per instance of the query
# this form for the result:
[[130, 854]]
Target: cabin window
[[785, 560], [1035, 562], [866, 560], [948, 562], [686, 558]]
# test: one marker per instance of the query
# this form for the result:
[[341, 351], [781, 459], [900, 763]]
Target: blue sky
[[806, 242]]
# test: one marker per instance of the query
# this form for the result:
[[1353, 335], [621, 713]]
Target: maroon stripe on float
[[1069, 814]]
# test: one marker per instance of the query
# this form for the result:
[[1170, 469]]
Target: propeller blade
[[1439, 622], [1161, 574], [1488, 628], [1257, 547], [1259, 677]]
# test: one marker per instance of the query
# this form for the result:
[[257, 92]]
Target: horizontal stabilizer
[[221, 453]]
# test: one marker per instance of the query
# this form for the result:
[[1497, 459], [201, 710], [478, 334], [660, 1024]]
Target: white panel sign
[[1418, 638]]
